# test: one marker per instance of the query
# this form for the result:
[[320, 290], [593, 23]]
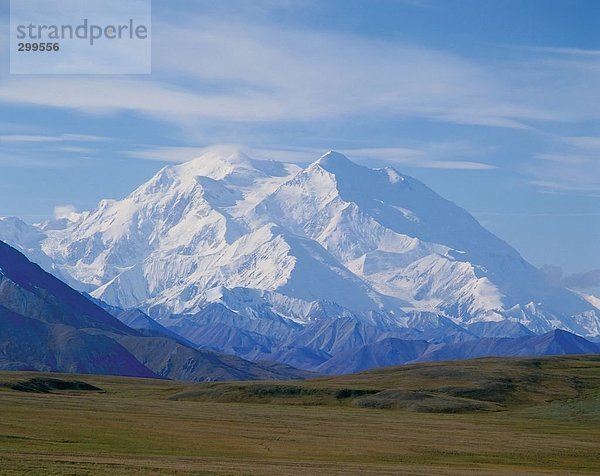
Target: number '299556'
[[38, 47]]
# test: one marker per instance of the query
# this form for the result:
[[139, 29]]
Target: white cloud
[[24, 159], [33, 150], [312, 74], [34, 138], [537, 215], [433, 155], [183, 154], [566, 172], [566, 159], [64, 211], [584, 142], [207, 69], [564, 51], [165, 154], [76, 150], [574, 165]]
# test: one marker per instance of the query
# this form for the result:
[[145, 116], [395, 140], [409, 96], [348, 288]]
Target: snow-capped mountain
[[269, 248], [47, 326]]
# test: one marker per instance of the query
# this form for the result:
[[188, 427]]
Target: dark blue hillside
[[47, 326], [62, 303], [556, 342], [559, 342], [30, 344]]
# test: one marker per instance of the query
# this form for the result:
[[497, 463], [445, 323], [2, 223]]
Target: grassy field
[[488, 416]]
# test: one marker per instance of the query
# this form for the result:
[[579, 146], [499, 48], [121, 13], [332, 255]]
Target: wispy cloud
[[76, 150], [574, 168], [208, 69], [563, 51], [322, 73], [179, 154], [16, 159], [64, 211], [566, 159], [584, 142], [48, 151], [537, 215], [566, 179], [165, 154], [34, 138], [432, 155]]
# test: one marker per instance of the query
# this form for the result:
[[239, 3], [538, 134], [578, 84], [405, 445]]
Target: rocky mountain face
[[264, 259], [47, 326]]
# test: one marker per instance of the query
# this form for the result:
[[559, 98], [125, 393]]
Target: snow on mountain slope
[[593, 300], [408, 242], [268, 239], [183, 211], [28, 240], [47, 326]]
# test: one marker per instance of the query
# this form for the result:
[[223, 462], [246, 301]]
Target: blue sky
[[493, 104]]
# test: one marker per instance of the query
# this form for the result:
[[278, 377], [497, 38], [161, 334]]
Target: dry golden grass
[[136, 427]]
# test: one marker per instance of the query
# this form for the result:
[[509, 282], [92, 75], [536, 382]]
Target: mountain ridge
[[47, 326], [279, 246]]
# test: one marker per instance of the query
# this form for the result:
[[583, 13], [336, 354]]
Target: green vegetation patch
[[270, 393], [50, 385], [480, 385], [423, 402]]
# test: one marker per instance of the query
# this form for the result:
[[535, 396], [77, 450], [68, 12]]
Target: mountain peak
[[233, 163], [333, 159], [216, 162]]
